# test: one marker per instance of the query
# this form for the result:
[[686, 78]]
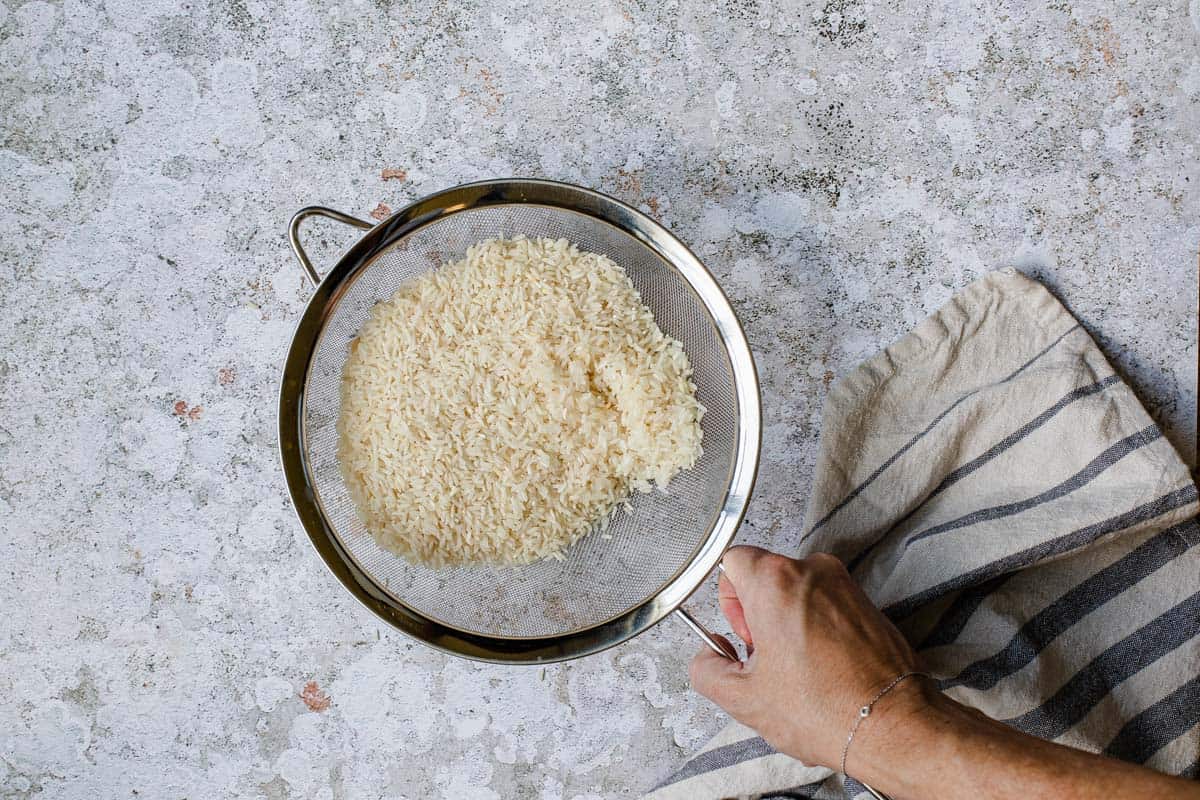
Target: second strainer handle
[[317, 211]]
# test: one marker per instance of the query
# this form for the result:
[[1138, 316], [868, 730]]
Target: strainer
[[605, 590]]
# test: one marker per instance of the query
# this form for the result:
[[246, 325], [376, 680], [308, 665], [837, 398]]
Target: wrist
[[909, 710], [924, 744], [902, 726]]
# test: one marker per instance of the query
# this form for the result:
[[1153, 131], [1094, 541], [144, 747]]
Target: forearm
[[820, 648], [922, 745]]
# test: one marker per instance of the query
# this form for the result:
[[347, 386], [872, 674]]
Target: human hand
[[818, 651]]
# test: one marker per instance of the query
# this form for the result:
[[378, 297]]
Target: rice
[[496, 409]]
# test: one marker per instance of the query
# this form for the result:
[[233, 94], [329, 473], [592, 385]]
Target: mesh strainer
[[605, 590]]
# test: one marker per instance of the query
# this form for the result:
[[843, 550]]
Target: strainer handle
[[718, 646], [317, 211]]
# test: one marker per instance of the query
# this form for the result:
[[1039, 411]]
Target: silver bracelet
[[865, 711]]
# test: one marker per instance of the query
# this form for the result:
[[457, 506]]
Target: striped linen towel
[[1007, 501]]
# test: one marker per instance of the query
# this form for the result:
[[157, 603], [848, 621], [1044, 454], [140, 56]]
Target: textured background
[[842, 167]]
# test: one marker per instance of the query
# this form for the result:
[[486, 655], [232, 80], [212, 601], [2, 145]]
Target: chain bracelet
[[865, 711]]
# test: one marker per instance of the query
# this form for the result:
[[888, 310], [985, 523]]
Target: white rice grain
[[495, 409]]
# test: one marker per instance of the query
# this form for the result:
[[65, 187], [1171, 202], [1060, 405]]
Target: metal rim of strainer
[[670, 597]]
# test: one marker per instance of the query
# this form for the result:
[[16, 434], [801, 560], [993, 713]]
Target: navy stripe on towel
[[896, 456], [1042, 550], [853, 788], [805, 791], [1158, 725], [1084, 598], [1086, 688], [952, 621], [721, 757], [995, 450], [1111, 455]]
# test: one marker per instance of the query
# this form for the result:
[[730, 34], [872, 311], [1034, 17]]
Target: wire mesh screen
[[600, 577]]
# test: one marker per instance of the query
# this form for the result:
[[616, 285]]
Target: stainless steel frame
[[291, 414]]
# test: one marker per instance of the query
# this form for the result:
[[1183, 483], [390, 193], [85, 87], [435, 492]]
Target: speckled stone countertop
[[843, 167]]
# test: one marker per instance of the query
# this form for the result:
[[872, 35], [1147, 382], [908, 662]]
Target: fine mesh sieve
[[605, 589]]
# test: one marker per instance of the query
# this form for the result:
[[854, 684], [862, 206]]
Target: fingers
[[731, 607], [717, 678], [739, 561], [760, 580]]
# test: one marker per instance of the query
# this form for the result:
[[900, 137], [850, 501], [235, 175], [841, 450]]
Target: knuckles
[[777, 571], [826, 563], [777, 566]]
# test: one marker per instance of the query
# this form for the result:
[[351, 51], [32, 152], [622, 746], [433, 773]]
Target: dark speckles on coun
[[143, 259], [239, 16], [740, 9], [842, 22]]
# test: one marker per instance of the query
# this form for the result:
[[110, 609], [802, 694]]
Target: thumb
[[718, 678]]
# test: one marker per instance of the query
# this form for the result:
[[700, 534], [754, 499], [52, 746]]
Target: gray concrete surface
[[842, 167]]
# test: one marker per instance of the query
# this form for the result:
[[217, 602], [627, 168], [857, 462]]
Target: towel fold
[[1003, 496]]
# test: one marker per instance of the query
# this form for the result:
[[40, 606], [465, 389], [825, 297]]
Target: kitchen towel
[[1003, 496]]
